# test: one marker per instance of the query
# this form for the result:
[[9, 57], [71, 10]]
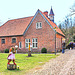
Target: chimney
[[46, 13]]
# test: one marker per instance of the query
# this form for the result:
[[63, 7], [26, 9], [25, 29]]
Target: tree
[[67, 27], [60, 26], [72, 9]]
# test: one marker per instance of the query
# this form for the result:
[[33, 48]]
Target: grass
[[24, 63]]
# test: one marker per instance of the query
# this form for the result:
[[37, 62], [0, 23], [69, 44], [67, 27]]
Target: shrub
[[6, 50], [44, 50]]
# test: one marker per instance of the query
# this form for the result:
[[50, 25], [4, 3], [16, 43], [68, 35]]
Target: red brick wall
[[8, 42], [45, 35]]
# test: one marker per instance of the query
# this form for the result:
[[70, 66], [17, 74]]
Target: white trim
[[34, 43], [27, 43], [20, 45], [38, 25]]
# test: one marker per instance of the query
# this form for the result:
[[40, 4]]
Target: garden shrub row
[[44, 50]]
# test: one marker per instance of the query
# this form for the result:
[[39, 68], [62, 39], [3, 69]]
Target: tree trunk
[[29, 53]]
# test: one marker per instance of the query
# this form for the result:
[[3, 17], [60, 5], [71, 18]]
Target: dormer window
[[38, 25]]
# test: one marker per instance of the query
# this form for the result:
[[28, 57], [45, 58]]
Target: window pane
[[26, 40], [20, 45], [33, 45], [36, 40], [33, 40], [40, 25], [3, 41], [36, 44], [37, 25], [13, 40], [29, 40], [26, 44]]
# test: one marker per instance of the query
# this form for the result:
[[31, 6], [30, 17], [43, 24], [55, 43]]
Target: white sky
[[12, 9]]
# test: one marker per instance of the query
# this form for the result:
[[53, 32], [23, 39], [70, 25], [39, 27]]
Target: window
[[13, 40], [3, 41], [27, 41], [34, 42], [20, 45], [38, 25]]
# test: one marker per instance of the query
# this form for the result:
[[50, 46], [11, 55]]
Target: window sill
[[13, 43], [38, 28], [26, 47], [34, 48], [3, 43]]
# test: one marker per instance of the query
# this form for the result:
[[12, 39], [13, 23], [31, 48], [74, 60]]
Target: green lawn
[[24, 63]]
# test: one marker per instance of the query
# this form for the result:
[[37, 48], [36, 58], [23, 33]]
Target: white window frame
[[20, 45], [34, 43], [27, 43], [39, 26]]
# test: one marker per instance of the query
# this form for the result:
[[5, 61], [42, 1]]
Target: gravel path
[[62, 65]]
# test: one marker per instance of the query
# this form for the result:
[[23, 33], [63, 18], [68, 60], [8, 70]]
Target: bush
[[44, 50], [6, 50]]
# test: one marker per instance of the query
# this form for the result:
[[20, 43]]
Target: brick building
[[37, 30]]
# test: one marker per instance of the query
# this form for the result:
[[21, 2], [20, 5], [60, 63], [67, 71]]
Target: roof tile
[[18, 26], [15, 27]]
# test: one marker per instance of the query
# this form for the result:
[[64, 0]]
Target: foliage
[[68, 25], [68, 28], [44, 50], [6, 50], [72, 9], [25, 63]]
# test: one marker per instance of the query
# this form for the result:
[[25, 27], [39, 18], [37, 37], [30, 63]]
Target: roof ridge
[[14, 20], [20, 18]]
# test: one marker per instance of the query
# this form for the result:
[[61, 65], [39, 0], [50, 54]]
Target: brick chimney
[[46, 13]]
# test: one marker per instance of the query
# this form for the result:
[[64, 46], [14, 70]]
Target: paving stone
[[62, 65]]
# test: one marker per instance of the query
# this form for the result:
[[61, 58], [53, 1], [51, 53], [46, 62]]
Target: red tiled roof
[[18, 26], [15, 27], [53, 24]]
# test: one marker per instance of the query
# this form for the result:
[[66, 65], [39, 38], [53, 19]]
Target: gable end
[[31, 22], [38, 11]]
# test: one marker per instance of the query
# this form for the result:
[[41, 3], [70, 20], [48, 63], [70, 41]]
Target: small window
[[38, 25], [27, 41], [13, 40], [20, 45], [34, 42], [3, 41]]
